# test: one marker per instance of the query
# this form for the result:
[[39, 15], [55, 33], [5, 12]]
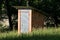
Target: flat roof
[[22, 7]]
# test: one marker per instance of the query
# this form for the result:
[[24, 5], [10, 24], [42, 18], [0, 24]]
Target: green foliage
[[40, 34], [3, 28], [17, 2], [48, 6]]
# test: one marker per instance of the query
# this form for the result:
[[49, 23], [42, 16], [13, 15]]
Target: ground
[[36, 34]]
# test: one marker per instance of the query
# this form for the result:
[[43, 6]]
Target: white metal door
[[24, 21]]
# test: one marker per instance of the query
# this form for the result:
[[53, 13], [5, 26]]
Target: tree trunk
[[56, 21], [9, 14], [10, 22], [1, 1]]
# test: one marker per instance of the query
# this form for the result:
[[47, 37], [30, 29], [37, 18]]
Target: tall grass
[[36, 34]]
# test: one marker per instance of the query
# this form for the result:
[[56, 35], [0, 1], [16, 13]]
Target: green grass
[[40, 34]]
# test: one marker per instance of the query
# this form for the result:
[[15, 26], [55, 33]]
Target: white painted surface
[[24, 21]]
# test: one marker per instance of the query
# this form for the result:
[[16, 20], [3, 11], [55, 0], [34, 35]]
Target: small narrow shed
[[36, 16]]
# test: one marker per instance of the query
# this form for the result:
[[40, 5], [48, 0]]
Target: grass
[[40, 34]]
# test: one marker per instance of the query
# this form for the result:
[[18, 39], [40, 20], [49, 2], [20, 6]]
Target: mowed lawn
[[36, 34]]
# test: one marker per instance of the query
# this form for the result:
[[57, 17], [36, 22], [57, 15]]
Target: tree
[[9, 13], [51, 7], [1, 4]]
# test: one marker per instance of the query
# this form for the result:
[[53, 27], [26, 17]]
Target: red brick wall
[[37, 19]]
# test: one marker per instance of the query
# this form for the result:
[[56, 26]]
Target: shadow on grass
[[33, 37]]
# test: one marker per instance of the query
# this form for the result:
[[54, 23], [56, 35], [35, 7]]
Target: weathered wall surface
[[37, 19]]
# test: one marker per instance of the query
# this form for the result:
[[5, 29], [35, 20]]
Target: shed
[[37, 16]]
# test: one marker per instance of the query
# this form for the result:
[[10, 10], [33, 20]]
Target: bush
[[3, 28]]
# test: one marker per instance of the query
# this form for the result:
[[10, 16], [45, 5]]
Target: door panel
[[24, 22]]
